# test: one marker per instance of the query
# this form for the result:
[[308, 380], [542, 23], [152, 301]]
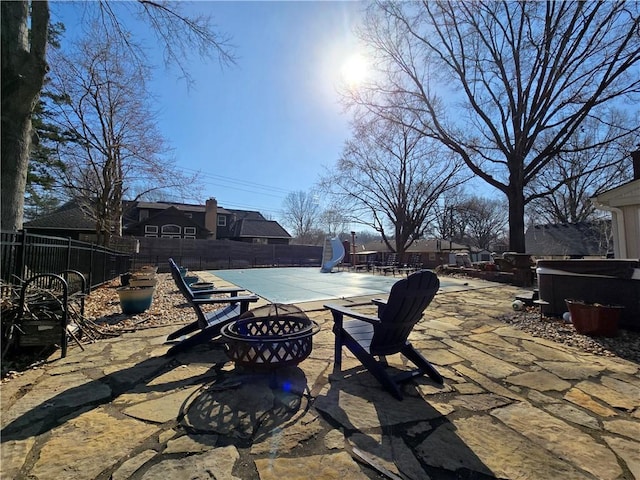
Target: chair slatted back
[[407, 301], [187, 293]]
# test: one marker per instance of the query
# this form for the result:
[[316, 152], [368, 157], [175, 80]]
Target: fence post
[[68, 253], [91, 266], [22, 256]]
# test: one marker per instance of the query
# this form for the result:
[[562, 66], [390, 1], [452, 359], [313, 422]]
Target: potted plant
[[135, 300], [594, 319]]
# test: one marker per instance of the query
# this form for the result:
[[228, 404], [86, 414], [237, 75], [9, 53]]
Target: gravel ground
[[624, 345], [168, 307]]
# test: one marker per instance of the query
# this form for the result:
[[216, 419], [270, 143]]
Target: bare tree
[[117, 151], [24, 37], [447, 222], [504, 85], [561, 193], [334, 221], [301, 212], [486, 221], [390, 177]]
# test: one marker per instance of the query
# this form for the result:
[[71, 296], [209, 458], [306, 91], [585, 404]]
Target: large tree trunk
[[516, 219], [23, 71]]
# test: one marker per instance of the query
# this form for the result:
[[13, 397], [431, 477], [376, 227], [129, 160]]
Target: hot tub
[[609, 282]]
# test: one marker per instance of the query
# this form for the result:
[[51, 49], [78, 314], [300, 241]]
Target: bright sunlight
[[355, 70]]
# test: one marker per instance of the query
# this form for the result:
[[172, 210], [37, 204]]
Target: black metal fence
[[25, 255]]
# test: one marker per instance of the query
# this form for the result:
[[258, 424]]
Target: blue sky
[[270, 124]]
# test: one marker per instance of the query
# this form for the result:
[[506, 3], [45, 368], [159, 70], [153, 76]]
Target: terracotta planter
[[594, 319], [135, 300]]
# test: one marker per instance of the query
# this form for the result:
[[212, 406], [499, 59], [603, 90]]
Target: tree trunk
[[23, 71], [516, 219]]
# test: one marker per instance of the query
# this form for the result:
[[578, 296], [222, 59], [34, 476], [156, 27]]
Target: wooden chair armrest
[[232, 299], [381, 303], [339, 309], [215, 291]]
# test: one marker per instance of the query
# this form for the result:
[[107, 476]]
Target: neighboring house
[[168, 220], [163, 220], [624, 204], [70, 220], [569, 240]]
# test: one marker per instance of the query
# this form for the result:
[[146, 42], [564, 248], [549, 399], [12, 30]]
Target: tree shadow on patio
[[60, 402], [409, 438]]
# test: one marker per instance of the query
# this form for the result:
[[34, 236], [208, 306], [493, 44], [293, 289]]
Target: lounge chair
[[209, 324], [390, 264], [186, 290], [368, 337]]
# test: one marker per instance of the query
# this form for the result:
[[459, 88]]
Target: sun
[[355, 70]]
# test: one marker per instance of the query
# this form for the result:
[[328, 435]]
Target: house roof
[[250, 227], [570, 239], [626, 194], [69, 216], [186, 207]]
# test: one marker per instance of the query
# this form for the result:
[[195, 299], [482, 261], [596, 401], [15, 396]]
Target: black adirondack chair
[[208, 324], [368, 337]]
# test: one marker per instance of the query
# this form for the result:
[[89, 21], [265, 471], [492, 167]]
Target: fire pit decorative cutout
[[270, 337]]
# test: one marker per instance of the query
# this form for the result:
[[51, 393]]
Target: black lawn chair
[[368, 337], [209, 324]]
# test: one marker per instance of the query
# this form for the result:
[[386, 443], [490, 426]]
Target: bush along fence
[[25, 255]]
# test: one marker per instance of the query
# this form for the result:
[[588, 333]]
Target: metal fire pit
[[270, 337]]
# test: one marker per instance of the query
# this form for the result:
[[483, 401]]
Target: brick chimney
[[211, 217], [635, 158]]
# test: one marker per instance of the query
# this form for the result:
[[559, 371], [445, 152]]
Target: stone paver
[[512, 407]]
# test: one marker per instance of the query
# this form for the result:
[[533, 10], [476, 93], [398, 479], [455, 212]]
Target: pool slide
[[337, 254]]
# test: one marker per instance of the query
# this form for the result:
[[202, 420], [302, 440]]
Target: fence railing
[[25, 255]]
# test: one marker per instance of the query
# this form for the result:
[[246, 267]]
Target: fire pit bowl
[[270, 337]]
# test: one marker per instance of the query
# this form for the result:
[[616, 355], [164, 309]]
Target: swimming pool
[[300, 284]]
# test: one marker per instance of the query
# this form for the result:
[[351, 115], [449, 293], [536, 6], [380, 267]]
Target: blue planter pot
[[135, 300]]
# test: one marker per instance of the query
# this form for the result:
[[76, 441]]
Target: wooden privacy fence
[[196, 254]]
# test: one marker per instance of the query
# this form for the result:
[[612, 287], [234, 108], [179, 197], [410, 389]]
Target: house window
[[150, 229], [189, 237], [188, 214], [171, 231], [189, 231], [151, 235], [144, 214], [222, 221]]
